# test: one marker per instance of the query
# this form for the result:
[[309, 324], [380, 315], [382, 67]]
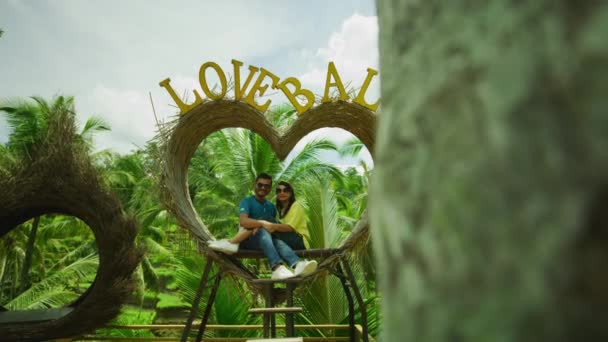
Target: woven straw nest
[[59, 178], [181, 139]]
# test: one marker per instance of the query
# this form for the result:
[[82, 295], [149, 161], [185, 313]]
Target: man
[[257, 217]]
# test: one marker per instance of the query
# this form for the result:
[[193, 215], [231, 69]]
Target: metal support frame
[[349, 298], [197, 300], [353, 285], [342, 270], [207, 313]]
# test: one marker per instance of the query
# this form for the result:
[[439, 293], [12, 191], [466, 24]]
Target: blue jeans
[[275, 246], [293, 240]]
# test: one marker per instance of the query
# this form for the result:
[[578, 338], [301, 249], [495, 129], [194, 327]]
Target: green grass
[[130, 315], [167, 301]]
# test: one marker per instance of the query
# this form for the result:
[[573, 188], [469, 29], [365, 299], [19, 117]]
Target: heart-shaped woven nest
[[182, 138]]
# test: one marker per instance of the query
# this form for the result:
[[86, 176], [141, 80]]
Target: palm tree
[[325, 300], [130, 177]]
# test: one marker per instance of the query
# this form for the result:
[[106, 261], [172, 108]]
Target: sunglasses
[[286, 190], [263, 186]]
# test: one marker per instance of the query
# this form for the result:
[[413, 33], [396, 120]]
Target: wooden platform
[[32, 316]]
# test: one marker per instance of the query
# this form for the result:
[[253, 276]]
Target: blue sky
[[110, 54]]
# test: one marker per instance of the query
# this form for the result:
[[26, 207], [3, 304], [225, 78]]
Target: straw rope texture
[[60, 179]]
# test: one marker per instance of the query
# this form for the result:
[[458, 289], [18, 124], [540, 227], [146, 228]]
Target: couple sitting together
[[260, 230]]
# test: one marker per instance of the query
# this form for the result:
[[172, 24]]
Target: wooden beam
[[274, 310], [220, 326]]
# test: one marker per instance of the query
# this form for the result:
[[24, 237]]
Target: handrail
[[95, 337], [220, 326], [359, 330], [205, 339]]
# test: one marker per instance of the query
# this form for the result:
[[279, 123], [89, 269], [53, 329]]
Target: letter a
[[332, 72]]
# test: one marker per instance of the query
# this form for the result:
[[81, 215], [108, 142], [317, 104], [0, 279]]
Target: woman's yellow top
[[296, 218]]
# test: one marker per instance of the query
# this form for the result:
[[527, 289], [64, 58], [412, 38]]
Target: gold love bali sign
[[201, 118], [291, 87]]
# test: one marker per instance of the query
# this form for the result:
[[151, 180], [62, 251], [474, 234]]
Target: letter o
[[203, 80]]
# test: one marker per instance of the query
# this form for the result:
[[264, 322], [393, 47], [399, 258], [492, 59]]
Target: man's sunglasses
[[279, 190], [263, 186]]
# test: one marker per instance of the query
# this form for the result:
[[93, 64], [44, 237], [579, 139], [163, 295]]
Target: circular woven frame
[[182, 140], [59, 178]]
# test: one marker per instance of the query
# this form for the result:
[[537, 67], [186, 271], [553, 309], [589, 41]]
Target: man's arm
[[249, 223], [278, 227]]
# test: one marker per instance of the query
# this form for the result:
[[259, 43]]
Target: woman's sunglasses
[[279, 190]]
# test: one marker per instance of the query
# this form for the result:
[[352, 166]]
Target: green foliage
[[223, 169], [52, 291], [221, 173], [130, 315], [64, 262], [232, 300], [168, 301], [44, 259], [231, 306]]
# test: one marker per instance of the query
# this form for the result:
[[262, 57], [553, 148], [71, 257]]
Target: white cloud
[[353, 49], [110, 60], [128, 112]]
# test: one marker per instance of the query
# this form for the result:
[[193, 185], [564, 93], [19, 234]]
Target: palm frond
[[351, 147], [231, 308], [308, 154], [83, 250], [94, 124], [37, 295]]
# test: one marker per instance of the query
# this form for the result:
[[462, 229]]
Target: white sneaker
[[305, 267], [224, 246], [281, 272]]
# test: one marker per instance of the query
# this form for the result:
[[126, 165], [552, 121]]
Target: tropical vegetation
[[49, 261]]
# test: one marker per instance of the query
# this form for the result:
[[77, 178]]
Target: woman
[[292, 217]]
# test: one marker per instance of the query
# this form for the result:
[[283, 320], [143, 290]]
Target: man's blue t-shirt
[[258, 211]]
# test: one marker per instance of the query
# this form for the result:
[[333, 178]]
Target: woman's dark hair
[[292, 199]]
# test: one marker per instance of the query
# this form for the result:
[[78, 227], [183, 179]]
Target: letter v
[[238, 90]]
